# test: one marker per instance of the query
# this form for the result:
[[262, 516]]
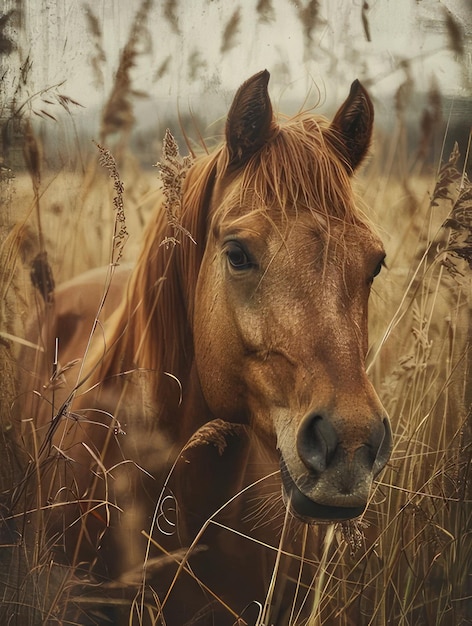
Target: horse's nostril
[[384, 447], [316, 442]]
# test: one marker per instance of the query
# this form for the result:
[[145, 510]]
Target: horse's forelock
[[300, 169]]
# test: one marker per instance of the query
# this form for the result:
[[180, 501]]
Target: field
[[412, 568]]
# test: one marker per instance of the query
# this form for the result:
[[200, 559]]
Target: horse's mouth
[[308, 510]]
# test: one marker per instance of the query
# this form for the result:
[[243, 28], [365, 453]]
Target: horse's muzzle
[[308, 510], [334, 480]]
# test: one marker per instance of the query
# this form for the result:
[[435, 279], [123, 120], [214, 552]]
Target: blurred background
[[64, 61]]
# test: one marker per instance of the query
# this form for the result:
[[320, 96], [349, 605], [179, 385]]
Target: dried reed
[[173, 169], [265, 11], [118, 113], [231, 30]]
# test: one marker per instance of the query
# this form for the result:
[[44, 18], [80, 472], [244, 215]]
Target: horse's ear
[[352, 126], [250, 119]]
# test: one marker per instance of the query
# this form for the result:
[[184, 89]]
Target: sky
[[58, 39]]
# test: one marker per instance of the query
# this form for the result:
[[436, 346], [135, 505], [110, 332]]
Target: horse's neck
[[194, 411]]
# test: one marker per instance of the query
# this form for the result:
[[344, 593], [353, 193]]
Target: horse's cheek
[[217, 355]]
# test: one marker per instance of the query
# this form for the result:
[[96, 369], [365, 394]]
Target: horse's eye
[[237, 257], [378, 269]]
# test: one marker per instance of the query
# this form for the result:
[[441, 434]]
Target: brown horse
[[235, 356]]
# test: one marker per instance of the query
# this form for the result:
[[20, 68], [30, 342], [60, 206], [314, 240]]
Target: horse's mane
[[298, 167]]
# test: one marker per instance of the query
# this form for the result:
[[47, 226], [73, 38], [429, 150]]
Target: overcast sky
[[58, 38]]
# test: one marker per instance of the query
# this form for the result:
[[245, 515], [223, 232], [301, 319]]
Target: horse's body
[[258, 331]]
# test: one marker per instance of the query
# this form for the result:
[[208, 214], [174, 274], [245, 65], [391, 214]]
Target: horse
[[229, 373]]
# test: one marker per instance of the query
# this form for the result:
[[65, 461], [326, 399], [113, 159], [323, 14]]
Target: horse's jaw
[[309, 510]]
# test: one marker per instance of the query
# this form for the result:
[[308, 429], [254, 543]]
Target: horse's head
[[280, 311]]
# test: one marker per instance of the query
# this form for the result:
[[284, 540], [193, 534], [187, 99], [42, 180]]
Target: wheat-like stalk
[[120, 232], [173, 169]]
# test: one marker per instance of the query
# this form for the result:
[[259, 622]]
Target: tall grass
[[413, 565], [417, 572]]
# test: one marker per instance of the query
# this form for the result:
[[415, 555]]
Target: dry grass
[[413, 567]]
